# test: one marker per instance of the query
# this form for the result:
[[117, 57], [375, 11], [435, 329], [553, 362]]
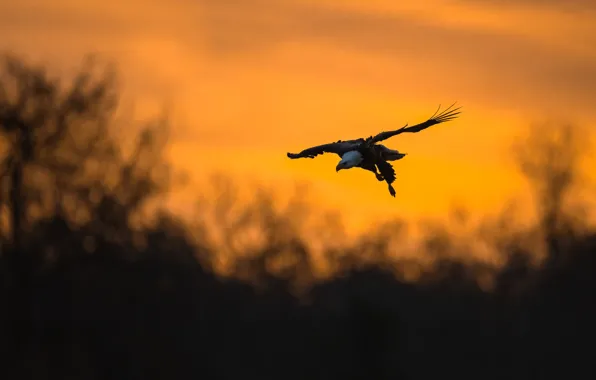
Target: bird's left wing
[[446, 115], [339, 148]]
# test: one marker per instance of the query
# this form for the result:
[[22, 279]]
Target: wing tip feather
[[448, 114]]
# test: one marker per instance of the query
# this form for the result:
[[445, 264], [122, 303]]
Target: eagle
[[369, 155]]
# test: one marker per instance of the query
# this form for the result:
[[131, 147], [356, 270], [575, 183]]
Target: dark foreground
[[122, 314]]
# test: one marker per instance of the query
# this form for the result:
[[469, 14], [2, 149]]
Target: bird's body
[[368, 154]]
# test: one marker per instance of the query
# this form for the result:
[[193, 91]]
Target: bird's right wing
[[448, 114], [339, 148]]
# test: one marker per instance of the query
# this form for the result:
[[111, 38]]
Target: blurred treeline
[[99, 281]]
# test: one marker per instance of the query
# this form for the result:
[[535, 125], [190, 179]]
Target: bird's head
[[341, 165], [349, 160]]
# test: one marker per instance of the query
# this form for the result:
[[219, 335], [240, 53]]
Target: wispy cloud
[[575, 5], [491, 63], [504, 57]]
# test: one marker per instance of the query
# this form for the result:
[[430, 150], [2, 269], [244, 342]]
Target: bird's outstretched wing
[[446, 115], [339, 148]]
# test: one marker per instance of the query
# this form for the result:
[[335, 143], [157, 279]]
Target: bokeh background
[[153, 227]]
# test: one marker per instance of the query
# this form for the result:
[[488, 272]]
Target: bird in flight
[[369, 155]]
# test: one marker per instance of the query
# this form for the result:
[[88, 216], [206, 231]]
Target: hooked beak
[[338, 168]]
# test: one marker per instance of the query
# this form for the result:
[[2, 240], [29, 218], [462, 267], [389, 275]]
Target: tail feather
[[388, 154], [394, 156]]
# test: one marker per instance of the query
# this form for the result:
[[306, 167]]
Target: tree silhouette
[[62, 167], [550, 159]]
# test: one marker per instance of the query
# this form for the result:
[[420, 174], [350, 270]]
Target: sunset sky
[[250, 80]]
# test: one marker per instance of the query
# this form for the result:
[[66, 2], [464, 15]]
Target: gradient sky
[[253, 79]]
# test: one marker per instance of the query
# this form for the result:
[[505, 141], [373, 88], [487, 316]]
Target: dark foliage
[[91, 288]]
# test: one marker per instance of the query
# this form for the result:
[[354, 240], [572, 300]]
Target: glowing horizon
[[252, 80]]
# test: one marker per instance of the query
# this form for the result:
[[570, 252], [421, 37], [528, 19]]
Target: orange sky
[[253, 79]]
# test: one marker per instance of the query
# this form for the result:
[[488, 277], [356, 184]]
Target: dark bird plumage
[[369, 155]]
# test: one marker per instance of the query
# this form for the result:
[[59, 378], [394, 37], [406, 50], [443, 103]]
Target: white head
[[349, 160]]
